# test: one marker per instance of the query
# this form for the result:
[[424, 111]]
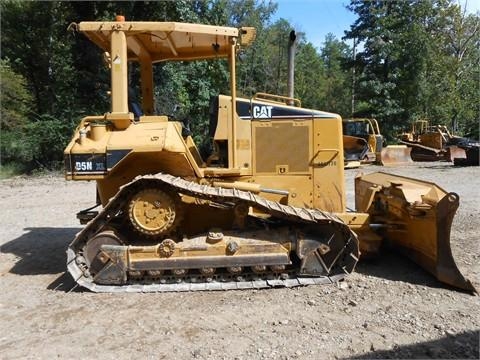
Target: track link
[[79, 270]]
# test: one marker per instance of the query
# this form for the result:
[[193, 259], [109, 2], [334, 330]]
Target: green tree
[[377, 28], [16, 100], [309, 76], [15, 104], [462, 51], [338, 81], [28, 140], [64, 72], [419, 60]]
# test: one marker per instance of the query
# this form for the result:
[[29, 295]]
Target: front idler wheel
[[95, 258]]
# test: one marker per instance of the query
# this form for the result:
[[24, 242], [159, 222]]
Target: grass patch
[[10, 170]]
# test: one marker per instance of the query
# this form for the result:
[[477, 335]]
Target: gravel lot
[[388, 308]]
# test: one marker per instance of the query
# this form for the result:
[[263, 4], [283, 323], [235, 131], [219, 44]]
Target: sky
[[317, 18]]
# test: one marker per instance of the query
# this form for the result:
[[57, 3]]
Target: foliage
[[15, 101], [10, 170], [14, 112], [338, 82], [419, 60], [309, 76], [416, 59]]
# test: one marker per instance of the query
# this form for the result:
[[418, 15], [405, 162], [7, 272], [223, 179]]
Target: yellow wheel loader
[[265, 209], [364, 144]]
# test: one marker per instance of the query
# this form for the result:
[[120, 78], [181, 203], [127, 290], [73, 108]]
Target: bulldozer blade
[[395, 155], [414, 217], [352, 164], [455, 152], [471, 158], [354, 148]]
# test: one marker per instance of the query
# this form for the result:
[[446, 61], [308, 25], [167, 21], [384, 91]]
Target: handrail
[[324, 163], [278, 99]]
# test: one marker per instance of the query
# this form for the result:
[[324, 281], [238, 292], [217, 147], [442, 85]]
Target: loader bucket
[[414, 217], [395, 155]]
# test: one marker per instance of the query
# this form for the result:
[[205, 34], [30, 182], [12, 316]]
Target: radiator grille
[[282, 144]]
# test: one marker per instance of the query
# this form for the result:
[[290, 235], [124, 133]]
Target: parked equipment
[[363, 143], [362, 140], [472, 153], [433, 143], [266, 208]]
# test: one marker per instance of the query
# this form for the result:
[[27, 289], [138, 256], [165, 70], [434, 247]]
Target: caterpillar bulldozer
[[433, 142], [265, 209], [364, 144]]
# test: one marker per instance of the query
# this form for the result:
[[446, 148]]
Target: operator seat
[[213, 112], [133, 106]]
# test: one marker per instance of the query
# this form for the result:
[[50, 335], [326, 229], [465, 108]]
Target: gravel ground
[[388, 308]]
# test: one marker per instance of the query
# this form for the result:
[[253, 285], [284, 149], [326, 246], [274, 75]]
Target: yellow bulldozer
[[364, 144], [265, 209], [433, 142]]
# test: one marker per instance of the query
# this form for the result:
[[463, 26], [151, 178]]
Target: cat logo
[[262, 112]]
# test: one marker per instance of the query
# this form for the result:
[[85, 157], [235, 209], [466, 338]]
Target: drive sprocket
[[154, 212]]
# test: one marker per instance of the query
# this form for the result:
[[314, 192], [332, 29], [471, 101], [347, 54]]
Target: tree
[[28, 140], [377, 27], [309, 76], [16, 100], [338, 80], [462, 35], [64, 72], [15, 104], [418, 61]]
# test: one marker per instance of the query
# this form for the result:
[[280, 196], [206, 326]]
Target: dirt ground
[[388, 308]]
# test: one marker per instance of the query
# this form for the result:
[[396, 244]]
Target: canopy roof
[[162, 41]]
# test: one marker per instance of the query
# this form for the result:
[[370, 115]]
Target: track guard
[[114, 272], [414, 217]]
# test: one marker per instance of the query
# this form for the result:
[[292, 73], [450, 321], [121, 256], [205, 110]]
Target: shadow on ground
[[396, 267], [459, 346], [436, 165], [40, 250]]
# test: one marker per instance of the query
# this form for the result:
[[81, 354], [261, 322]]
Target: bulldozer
[[267, 208], [433, 142], [364, 144]]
